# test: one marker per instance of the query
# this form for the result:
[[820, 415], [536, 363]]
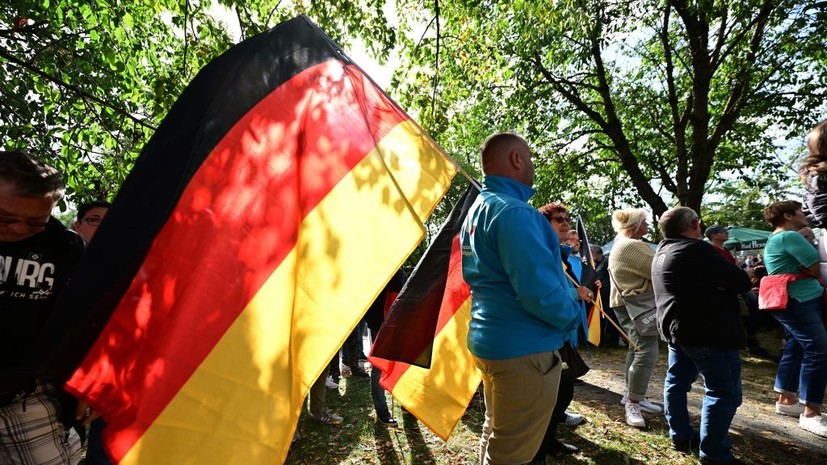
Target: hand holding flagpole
[[600, 307]]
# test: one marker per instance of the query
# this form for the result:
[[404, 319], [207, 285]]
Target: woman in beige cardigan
[[630, 265]]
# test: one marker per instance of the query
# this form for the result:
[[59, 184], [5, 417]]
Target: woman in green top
[[803, 365]]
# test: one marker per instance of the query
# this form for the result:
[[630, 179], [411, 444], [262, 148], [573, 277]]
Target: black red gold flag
[[273, 203], [422, 347]]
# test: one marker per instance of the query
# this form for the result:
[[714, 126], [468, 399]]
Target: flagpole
[[625, 336], [467, 176]]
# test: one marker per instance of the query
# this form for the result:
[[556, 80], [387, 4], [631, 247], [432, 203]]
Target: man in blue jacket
[[521, 308]]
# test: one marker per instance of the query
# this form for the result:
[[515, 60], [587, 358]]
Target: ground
[[759, 435]]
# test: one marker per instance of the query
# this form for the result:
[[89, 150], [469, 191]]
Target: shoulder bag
[[773, 293], [642, 310]]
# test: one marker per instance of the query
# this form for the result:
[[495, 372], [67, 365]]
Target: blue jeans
[[803, 364], [377, 394], [721, 371]]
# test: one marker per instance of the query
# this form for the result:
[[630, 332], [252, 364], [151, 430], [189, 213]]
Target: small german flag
[[595, 309], [422, 348], [274, 202]]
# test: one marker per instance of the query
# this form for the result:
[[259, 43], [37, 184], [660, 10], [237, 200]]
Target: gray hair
[[676, 221]]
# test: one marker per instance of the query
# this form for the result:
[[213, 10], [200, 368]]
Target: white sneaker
[[646, 405], [793, 410], [816, 425], [633, 415], [330, 384], [573, 419]]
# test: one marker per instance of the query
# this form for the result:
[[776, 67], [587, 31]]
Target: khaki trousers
[[318, 395], [520, 394]]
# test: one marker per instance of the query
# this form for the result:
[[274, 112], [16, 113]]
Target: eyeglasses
[[561, 219], [92, 220], [6, 221]]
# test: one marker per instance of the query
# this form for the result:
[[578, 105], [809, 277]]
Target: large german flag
[[422, 348], [268, 211]]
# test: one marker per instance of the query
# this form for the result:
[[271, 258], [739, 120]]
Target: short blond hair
[[628, 219]]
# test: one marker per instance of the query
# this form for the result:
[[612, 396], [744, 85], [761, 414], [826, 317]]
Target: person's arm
[[803, 252], [531, 259]]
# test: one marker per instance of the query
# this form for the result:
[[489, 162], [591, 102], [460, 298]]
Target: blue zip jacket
[[521, 303]]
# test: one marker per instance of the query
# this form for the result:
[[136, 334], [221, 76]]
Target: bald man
[[522, 310]]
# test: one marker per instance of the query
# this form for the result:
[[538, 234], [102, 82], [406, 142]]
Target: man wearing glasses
[[37, 255], [90, 216]]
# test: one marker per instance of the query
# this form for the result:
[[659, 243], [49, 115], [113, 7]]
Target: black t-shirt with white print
[[32, 273]]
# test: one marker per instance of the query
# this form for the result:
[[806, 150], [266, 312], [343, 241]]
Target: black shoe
[[734, 461], [762, 353], [387, 420], [361, 373], [687, 446], [559, 448]]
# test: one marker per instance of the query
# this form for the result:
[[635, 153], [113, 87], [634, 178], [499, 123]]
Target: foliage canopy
[[84, 83], [628, 102]]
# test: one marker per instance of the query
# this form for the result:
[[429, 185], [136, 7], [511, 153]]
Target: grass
[[758, 435]]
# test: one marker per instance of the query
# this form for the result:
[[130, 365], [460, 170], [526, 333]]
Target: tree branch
[[186, 39], [570, 95], [73, 88], [719, 44], [270, 15], [678, 122], [436, 60], [740, 92]]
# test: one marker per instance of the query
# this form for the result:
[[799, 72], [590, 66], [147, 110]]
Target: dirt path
[[757, 431]]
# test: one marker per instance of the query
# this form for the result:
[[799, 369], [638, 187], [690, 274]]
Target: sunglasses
[[561, 218]]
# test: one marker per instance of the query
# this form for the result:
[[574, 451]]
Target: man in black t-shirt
[[37, 256]]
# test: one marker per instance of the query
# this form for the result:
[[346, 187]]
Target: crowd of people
[[690, 293], [530, 291]]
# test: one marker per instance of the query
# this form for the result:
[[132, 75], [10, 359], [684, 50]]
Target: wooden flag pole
[[625, 336]]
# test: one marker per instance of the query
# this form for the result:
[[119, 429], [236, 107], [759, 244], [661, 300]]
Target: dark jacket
[[815, 199], [696, 294], [375, 314]]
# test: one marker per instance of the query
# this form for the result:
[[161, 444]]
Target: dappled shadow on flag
[[244, 246]]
